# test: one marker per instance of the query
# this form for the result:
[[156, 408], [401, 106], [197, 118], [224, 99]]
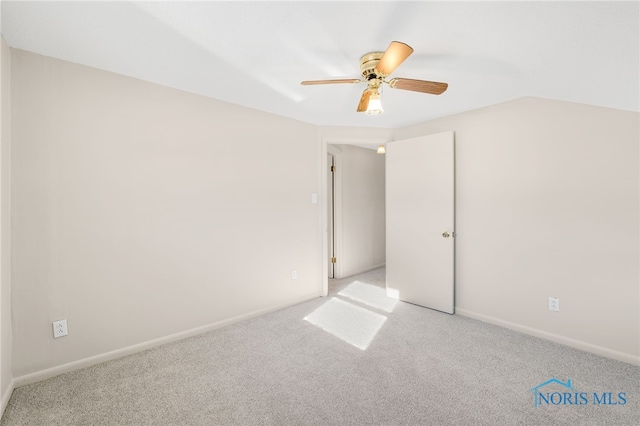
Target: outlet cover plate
[[554, 304], [60, 328]]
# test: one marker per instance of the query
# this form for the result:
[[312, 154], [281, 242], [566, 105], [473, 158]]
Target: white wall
[[548, 205], [142, 212], [6, 385], [362, 210]]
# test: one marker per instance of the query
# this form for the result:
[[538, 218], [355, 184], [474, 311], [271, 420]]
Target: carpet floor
[[353, 358]]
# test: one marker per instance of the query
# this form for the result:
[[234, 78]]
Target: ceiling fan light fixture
[[375, 105], [375, 67]]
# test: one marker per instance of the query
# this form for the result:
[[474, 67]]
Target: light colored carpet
[[415, 366]]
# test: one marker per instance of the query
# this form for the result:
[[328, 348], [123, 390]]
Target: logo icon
[[537, 395]]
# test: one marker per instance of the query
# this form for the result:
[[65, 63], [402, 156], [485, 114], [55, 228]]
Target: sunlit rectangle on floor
[[353, 324], [370, 295]]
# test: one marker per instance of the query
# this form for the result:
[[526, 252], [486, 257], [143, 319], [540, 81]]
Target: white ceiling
[[256, 53]]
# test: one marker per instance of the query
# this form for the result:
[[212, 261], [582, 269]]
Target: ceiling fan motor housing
[[368, 65]]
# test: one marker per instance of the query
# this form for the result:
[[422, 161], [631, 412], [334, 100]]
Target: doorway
[[408, 151], [354, 227]]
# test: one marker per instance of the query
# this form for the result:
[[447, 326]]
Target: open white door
[[420, 221]]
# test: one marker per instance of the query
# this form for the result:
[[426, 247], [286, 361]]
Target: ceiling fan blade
[[395, 54], [336, 81], [364, 100], [431, 87]]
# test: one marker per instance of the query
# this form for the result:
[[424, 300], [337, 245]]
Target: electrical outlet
[[60, 328], [294, 274], [554, 304]]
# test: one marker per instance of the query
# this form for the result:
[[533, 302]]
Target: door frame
[[337, 208], [325, 146]]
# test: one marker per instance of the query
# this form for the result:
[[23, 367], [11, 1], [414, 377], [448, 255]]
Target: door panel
[[420, 213]]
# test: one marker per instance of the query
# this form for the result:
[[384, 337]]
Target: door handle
[[447, 234]]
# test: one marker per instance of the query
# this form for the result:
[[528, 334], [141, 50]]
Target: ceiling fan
[[375, 68]]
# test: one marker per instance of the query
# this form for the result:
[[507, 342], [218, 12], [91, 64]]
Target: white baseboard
[[6, 395], [119, 353], [363, 270], [578, 344]]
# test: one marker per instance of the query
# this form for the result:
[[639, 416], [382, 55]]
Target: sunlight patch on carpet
[[370, 295], [353, 324]]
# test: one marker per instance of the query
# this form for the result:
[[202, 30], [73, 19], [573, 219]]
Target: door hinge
[[333, 168], [333, 260]]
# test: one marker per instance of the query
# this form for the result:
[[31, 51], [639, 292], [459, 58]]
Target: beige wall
[[547, 204], [362, 210], [141, 211], [6, 385], [355, 135]]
